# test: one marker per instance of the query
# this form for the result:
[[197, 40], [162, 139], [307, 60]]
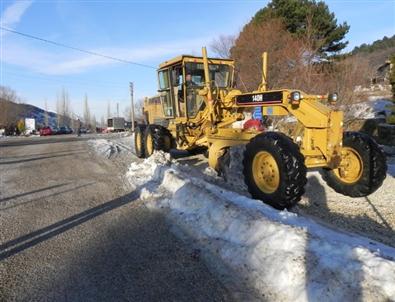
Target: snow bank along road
[[71, 230], [277, 255]]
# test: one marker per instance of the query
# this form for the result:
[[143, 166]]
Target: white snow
[[375, 107], [279, 254], [104, 147]]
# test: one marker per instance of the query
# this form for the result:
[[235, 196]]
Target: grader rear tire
[[363, 167], [274, 170], [139, 141], [163, 140], [149, 142]]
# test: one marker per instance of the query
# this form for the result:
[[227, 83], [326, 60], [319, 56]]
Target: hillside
[[377, 52], [378, 45], [11, 112]]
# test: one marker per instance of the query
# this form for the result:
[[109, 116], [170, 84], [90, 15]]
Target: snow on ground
[[281, 255], [113, 144], [104, 147], [366, 110]]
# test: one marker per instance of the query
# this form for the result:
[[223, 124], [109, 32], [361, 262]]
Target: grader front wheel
[[163, 140], [274, 170], [351, 167], [265, 171], [362, 169]]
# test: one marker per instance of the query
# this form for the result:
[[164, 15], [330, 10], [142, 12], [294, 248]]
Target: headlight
[[295, 97], [332, 98]]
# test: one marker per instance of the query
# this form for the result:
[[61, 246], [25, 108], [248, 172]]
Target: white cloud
[[55, 63], [13, 13]]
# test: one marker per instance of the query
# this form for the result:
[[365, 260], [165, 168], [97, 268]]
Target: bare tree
[[59, 119], [138, 109], [46, 118], [108, 110], [93, 123], [222, 45], [285, 55], [87, 115], [10, 110], [8, 94], [126, 113], [294, 62], [63, 108]]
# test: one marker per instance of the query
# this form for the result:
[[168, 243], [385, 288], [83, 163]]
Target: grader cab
[[197, 107]]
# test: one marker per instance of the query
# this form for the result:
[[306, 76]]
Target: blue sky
[[147, 32]]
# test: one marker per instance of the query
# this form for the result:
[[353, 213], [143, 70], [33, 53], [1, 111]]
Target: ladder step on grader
[[197, 107]]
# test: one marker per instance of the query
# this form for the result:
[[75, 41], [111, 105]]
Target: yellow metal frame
[[266, 172], [351, 166], [319, 131]]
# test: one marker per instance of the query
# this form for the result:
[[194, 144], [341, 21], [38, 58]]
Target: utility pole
[[117, 109], [132, 105]]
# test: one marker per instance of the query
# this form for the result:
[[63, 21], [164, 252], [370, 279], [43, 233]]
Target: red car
[[46, 131]]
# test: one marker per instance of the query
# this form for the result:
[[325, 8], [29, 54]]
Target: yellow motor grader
[[197, 107]]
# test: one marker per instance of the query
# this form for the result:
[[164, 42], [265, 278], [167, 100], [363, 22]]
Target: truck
[[116, 124]]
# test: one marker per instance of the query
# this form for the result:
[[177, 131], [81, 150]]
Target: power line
[[76, 48], [59, 79], [65, 80]]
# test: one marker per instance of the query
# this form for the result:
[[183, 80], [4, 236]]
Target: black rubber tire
[[386, 134], [163, 140], [374, 167], [140, 150], [291, 167]]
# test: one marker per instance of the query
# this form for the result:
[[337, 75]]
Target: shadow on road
[[33, 192], [35, 158], [37, 141], [17, 245], [39, 154], [140, 260], [18, 204], [362, 224]]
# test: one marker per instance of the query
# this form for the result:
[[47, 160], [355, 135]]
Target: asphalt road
[[72, 231]]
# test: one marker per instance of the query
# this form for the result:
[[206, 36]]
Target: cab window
[[220, 74], [178, 91], [163, 79], [164, 92]]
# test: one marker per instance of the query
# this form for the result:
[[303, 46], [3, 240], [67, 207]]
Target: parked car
[[46, 131], [55, 130], [65, 130]]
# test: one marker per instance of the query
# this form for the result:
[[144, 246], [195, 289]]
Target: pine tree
[[298, 15]]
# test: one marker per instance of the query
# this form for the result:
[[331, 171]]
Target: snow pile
[[279, 254], [359, 110], [126, 140], [373, 108], [104, 147], [233, 170], [151, 169]]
